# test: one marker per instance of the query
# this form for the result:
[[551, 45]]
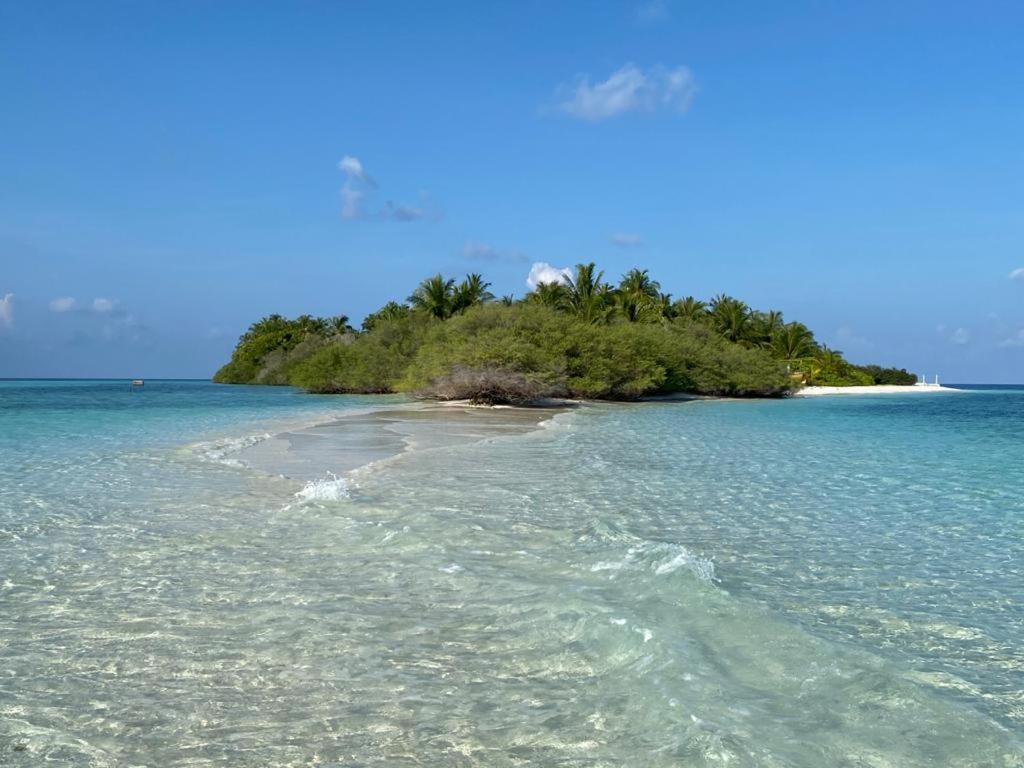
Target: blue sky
[[173, 171]]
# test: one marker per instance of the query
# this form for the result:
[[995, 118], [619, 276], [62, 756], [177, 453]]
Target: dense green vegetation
[[268, 352], [581, 338]]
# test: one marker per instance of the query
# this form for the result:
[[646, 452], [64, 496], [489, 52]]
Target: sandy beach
[[339, 446], [879, 389]]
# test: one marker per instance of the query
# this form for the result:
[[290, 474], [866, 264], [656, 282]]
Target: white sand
[[347, 443], [878, 389]]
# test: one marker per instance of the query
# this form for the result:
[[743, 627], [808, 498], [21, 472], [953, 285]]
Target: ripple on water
[[646, 585]]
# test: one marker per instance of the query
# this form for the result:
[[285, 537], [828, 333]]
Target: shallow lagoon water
[[801, 583]]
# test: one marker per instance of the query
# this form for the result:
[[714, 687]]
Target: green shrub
[[273, 346], [618, 361], [622, 361], [370, 363], [881, 375], [843, 377], [706, 363], [518, 338], [583, 337]]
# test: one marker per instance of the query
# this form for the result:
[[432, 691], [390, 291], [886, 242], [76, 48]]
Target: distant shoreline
[[877, 389]]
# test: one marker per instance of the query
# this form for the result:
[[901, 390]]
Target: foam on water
[[661, 558], [223, 449], [329, 488]]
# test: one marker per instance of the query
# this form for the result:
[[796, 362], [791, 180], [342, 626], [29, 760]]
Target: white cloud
[[355, 191], [542, 272], [102, 306], [7, 311], [62, 304], [1017, 274], [630, 89], [1016, 340], [625, 240], [960, 337], [353, 169], [351, 194]]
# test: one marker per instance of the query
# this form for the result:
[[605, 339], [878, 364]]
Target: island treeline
[[583, 337]]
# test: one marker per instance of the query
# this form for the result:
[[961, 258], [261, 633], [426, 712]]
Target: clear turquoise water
[[817, 582]]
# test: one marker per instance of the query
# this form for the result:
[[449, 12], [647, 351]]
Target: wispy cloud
[[484, 252], [1017, 274], [960, 337], [480, 251], [7, 311], [1016, 340], [629, 89], [357, 188], [652, 11], [352, 168], [399, 212], [352, 190], [98, 306], [625, 240], [542, 272], [351, 203]]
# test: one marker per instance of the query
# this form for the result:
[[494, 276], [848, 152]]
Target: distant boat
[[137, 383]]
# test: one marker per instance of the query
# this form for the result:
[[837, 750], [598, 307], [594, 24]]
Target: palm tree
[[637, 296], [434, 296], [265, 325], [507, 300], [690, 309], [638, 282], [826, 365], [553, 295], [309, 324], [338, 325], [588, 297], [390, 311], [793, 341], [829, 359], [773, 320], [762, 326], [730, 317], [471, 291], [666, 309]]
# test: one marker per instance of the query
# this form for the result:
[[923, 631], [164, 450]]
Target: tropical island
[[580, 338]]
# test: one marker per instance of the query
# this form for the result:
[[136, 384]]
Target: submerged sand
[[348, 443]]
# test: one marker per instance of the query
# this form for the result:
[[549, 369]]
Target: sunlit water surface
[[817, 582]]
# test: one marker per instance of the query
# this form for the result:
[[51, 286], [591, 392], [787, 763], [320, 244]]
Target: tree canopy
[[581, 336]]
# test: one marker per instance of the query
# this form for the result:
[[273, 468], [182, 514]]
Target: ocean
[[196, 575]]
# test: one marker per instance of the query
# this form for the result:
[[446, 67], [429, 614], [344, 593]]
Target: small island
[[578, 338]]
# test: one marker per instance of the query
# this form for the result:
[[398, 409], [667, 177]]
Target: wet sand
[[343, 445]]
